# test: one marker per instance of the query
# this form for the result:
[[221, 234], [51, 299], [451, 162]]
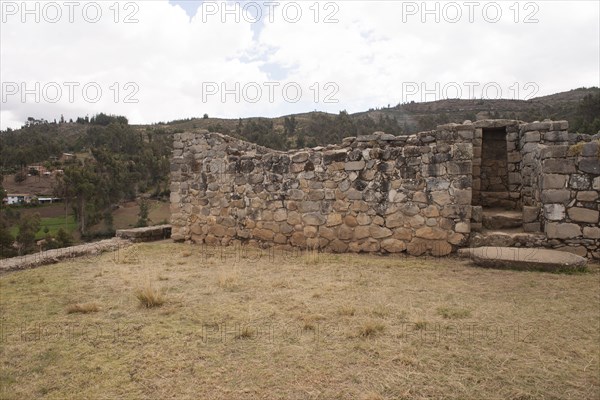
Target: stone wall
[[372, 193], [421, 193], [565, 196]]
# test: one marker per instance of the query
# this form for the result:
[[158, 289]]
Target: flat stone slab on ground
[[529, 259]]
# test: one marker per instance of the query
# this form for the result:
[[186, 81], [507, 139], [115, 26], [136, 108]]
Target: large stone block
[[393, 245], [556, 196], [591, 149], [554, 212], [580, 182], [300, 157], [557, 230], [580, 214], [280, 215], [441, 198], [530, 214], [533, 136], [554, 151], [587, 196], [379, 232], [556, 136], [459, 167], [337, 246], [462, 197], [263, 234], [354, 165], [591, 232], [536, 126], [462, 227], [431, 233], [553, 181], [361, 232], [394, 220], [434, 184], [462, 151], [559, 166], [591, 165], [345, 232], [314, 219]]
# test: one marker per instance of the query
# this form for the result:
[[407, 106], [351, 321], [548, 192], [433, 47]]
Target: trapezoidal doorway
[[500, 207], [494, 169]]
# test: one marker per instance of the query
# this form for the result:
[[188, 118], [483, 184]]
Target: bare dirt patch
[[271, 325]]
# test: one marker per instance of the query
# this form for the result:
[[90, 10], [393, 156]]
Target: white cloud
[[369, 54]]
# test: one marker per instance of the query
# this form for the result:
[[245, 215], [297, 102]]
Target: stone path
[[529, 259]]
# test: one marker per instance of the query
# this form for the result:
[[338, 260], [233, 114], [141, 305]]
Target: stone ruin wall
[[564, 187], [376, 193], [381, 193]]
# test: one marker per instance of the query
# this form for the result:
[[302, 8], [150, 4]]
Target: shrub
[[149, 296]]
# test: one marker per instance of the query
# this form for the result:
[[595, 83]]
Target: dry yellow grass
[[281, 326], [83, 308], [150, 296]]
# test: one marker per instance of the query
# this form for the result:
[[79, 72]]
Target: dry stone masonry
[[420, 194]]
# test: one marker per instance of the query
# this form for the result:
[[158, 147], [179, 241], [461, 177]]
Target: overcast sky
[[162, 60]]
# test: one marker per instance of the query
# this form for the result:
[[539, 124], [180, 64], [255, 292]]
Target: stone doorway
[[494, 169], [499, 195]]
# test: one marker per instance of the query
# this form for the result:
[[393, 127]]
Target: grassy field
[[53, 216], [239, 324], [53, 224], [128, 214]]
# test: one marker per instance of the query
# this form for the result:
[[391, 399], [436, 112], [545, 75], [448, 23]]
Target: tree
[[20, 177], [143, 214], [587, 118], [63, 238], [205, 116], [81, 186], [6, 239], [289, 125], [28, 227]]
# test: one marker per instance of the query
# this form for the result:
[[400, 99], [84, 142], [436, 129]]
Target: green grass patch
[[53, 224]]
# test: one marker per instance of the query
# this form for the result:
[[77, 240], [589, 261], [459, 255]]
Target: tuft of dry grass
[[312, 256], [83, 308], [228, 280], [150, 296], [453, 312], [370, 329], [245, 332], [347, 311], [420, 325]]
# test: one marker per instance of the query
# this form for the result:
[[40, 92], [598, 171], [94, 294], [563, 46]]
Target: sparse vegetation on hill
[[119, 164]]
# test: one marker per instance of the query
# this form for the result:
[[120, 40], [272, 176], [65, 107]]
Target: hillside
[[312, 128], [407, 118], [98, 164]]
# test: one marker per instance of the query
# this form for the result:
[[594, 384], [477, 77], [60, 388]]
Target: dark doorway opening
[[495, 191], [499, 205]]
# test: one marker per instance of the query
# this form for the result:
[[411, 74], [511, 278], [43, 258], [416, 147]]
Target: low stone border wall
[[146, 234], [124, 238], [56, 255]]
